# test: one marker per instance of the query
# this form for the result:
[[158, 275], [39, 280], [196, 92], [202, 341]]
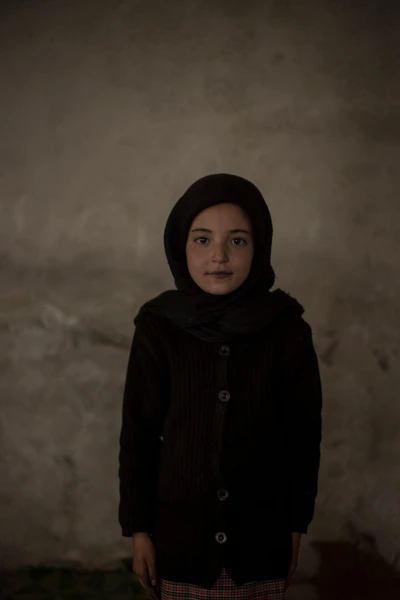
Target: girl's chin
[[219, 288]]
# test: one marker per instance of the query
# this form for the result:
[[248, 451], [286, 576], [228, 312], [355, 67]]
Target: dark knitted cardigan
[[220, 448]]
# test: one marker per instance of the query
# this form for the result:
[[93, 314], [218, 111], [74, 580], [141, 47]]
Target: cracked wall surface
[[108, 111]]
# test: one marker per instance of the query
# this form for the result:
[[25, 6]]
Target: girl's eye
[[201, 240], [235, 241]]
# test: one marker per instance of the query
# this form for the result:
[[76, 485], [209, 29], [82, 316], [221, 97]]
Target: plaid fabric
[[224, 588]]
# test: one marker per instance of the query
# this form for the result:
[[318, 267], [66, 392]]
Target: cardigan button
[[224, 396], [221, 537], [224, 350], [222, 494]]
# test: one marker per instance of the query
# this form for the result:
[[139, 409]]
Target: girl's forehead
[[222, 213]]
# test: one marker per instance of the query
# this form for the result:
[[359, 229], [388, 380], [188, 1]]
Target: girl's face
[[220, 249]]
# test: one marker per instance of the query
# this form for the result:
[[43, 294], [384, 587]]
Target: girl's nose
[[219, 254]]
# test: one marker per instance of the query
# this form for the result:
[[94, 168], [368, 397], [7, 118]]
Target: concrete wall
[[109, 110]]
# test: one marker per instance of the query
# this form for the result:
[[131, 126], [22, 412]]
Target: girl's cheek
[[195, 260], [197, 256]]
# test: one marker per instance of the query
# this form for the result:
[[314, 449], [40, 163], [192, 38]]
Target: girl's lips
[[220, 274]]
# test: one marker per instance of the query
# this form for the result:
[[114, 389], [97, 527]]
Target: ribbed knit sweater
[[220, 448]]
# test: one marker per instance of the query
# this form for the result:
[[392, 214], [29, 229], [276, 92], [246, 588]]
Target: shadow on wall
[[349, 572]]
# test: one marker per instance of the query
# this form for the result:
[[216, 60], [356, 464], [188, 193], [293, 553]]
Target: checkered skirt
[[224, 588]]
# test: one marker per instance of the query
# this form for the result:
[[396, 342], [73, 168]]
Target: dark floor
[[121, 584], [65, 584]]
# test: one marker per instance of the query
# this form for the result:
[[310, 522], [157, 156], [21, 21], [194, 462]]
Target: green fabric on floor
[[66, 584]]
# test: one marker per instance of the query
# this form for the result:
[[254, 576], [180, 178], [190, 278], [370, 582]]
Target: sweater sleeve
[[304, 401], [144, 405]]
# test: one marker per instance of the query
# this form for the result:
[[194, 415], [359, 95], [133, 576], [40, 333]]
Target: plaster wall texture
[[108, 111]]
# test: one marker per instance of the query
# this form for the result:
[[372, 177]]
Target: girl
[[221, 427]]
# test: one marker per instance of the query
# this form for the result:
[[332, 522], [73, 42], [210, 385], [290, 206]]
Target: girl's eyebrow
[[231, 230]]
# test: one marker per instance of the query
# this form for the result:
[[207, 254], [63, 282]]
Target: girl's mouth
[[220, 274]]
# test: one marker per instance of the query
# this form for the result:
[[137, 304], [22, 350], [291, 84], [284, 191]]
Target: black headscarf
[[220, 317]]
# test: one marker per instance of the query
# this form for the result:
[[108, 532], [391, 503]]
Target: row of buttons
[[223, 396], [221, 536]]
